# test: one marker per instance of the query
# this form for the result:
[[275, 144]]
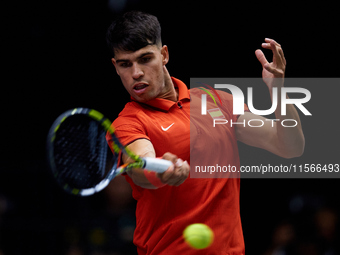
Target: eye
[[125, 64], [145, 59]]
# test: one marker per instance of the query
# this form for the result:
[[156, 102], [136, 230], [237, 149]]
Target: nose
[[137, 72]]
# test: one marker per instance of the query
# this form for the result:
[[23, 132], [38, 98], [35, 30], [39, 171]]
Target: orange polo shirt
[[162, 214]]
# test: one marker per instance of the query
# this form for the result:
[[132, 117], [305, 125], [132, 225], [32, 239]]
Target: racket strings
[[81, 152]]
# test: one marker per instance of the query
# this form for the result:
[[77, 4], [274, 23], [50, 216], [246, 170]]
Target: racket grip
[[156, 164]]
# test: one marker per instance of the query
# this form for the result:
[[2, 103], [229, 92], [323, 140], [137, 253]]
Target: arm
[[287, 142], [174, 176]]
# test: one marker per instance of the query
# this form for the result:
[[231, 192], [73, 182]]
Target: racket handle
[[156, 164]]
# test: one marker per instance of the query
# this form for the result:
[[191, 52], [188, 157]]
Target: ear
[[165, 54], [115, 64]]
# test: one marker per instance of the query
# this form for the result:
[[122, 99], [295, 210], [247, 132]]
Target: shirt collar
[[164, 104]]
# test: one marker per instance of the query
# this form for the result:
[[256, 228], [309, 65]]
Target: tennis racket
[[80, 157]]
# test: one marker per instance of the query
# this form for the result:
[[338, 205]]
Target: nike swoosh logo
[[166, 129]]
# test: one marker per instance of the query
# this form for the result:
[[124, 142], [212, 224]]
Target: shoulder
[[224, 95], [130, 124], [222, 98], [135, 114], [131, 108], [130, 115]]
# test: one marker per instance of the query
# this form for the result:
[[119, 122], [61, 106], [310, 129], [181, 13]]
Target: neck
[[169, 89]]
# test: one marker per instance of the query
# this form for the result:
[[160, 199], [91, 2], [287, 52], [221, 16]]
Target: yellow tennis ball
[[198, 236]]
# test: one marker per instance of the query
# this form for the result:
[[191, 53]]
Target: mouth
[[140, 87]]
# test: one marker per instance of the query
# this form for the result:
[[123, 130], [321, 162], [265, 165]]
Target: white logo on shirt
[[166, 129]]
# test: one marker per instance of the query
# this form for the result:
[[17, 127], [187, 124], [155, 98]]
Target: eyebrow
[[139, 57]]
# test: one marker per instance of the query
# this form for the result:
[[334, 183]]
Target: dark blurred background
[[55, 58]]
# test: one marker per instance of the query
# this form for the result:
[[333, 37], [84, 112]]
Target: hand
[[176, 174], [275, 69]]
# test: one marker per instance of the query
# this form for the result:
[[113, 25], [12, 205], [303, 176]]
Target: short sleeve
[[129, 127], [127, 131]]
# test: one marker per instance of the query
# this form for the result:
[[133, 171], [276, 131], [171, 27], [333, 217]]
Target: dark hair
[[132, 31]]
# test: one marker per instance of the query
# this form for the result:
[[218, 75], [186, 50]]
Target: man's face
[[142, 71]]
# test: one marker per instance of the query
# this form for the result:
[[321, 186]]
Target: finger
[[181, 173], [268, 40], [282, 56], [276, 54], [179, 163], [275, 47], [276, 71], [167, 175], [171, 157], [173, 172], [175, 179], [261, 57], [178, 180], [269, 68], [185, 172], [266, 45]]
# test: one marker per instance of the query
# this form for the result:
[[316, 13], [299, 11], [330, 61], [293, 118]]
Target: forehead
[[131, 55]]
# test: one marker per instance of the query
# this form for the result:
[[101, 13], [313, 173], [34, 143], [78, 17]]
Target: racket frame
[[153, 164]]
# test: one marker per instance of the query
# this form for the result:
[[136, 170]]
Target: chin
[[141, 99]]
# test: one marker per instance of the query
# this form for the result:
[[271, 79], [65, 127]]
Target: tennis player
[[156, 123]]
